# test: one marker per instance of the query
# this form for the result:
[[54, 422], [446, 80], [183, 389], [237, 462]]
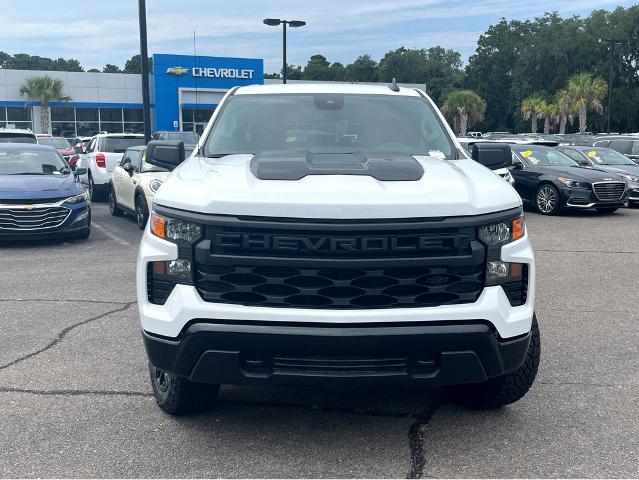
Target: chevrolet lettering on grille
[[327, 244]]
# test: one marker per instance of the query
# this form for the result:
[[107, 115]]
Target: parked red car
[[63, 147]]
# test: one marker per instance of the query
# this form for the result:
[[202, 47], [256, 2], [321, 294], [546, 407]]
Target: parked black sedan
[[608, 160], [550, 181]]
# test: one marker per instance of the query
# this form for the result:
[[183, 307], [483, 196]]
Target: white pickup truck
[[102, 155]]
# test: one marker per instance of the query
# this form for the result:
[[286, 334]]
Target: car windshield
[[544, 156], [55, 142], [26, 161], [607, 156], [190, 138], [328, 123], [120, 144], [6, 137]]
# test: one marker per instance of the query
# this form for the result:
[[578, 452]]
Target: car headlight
[[629, 178], [572, 183], [154, 185], [495, 236], [83, 197]]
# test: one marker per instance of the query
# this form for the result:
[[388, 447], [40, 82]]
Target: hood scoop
[[296, 165]]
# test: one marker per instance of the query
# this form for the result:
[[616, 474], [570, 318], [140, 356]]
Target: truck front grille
[[609, 190], [37, 219], [339, 265]]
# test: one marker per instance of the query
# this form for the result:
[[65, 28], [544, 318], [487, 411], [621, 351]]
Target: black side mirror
[[77, 171], [518, 166], [128, 168], [165, 153], [492, 155]]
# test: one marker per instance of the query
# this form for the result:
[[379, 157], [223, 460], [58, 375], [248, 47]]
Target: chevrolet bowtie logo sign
[[177, 70]]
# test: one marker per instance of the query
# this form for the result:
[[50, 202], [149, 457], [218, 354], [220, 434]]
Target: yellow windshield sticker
[[291, 139], [526, 153], [592, 154]]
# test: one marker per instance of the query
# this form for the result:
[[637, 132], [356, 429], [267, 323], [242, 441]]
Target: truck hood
[[227, 186]]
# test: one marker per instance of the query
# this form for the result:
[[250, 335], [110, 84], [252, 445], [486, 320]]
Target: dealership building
[[185, 90]]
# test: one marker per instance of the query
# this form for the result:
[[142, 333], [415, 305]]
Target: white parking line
[[112, 236]]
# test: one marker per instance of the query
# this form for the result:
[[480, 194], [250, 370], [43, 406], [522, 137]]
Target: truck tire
[[504, 389], [178, 396]]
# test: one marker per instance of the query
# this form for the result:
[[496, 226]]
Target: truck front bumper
[[263, 353]]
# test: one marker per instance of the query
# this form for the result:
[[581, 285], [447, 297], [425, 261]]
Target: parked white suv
[[335, 235], [133, 184], [102, 155]]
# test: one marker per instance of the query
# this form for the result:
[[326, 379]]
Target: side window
[[516, 161], [91, 145], [622, 146], [635, 148], [602, 143], [125, 159], [135, 157]]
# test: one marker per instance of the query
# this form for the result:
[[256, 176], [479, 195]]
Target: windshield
[[120, 144], [544, 156], [186, 137], [6, 137], [55, 142], [31, 162], [328, 123], [607, 156]]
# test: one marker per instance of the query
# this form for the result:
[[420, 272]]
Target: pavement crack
[[416, 434], [63, 333], [74, 393]]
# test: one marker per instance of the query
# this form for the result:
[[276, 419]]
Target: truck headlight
[[174, 229], [164, 275], [494, 236]]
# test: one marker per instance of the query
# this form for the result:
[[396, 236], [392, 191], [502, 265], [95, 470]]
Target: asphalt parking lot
[[75, 399]]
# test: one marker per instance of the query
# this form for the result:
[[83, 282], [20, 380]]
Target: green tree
[[337, 72], [586, 91], [532, 109], [465, 108], [46, 90], [317, 68], [110, 68], [93, 70], [134, 65], [363, 69]]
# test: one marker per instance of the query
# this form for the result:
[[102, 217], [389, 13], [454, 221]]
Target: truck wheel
[[504, 389], [178, 396]]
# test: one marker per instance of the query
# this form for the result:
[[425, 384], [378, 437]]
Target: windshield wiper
[[220, 155], [27, 173]]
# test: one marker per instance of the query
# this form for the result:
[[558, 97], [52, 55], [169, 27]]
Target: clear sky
[[100, 32]]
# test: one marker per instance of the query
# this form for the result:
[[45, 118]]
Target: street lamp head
[[296, 23], [273, 22]]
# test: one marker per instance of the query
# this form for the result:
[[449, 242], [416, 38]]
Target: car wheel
[[504, 389], [607, 209], [547, 200], [141, 211], [115, 210], [93, 193], [177, 395]]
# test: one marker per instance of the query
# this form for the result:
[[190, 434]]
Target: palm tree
[[565, 109], [45, 89], [532, 109], [465, 108], [586, 91], [550, 114]]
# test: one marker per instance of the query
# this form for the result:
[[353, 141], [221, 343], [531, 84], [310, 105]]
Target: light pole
[[612, 42], [146, 99], [274, 22]]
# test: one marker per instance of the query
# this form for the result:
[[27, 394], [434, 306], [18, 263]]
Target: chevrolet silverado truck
[[335, 235]]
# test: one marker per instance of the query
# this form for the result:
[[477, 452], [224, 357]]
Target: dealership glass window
[[133, 115], [63, 129], [3, 117], [111, 115], [81, 121], [134, 127], [62, 114], [195, 119], [86, 114], [16, 117]]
